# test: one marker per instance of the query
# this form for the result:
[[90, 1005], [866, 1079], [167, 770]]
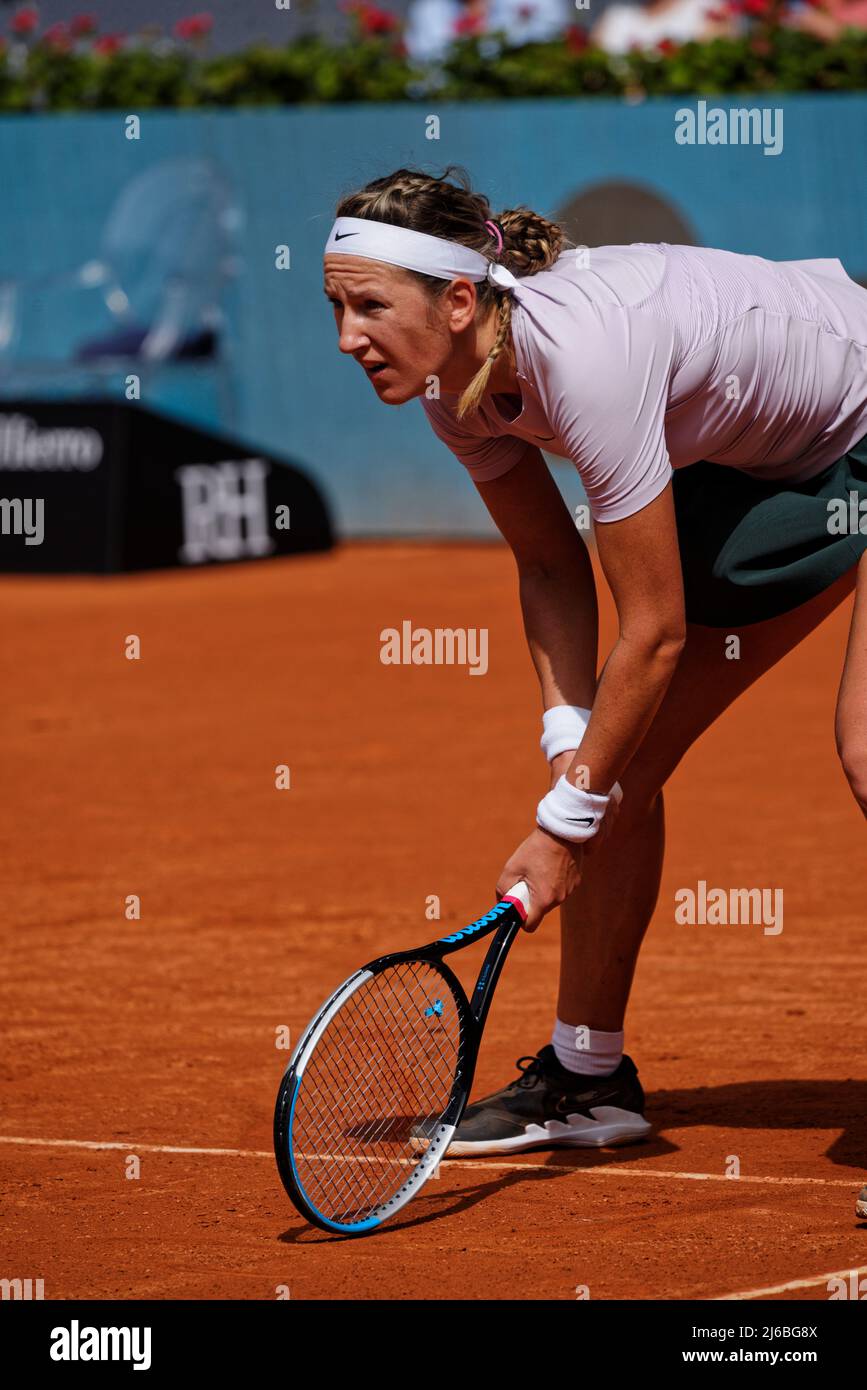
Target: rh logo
[[225, 511]]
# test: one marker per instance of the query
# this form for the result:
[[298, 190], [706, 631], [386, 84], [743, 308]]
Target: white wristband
[[564, 726], [571, 813]]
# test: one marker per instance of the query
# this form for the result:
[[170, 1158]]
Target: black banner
[[100, 486], [280, 1336]]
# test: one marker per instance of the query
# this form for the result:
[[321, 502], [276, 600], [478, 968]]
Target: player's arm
[[555, 578], [641, 561], [640, 558]]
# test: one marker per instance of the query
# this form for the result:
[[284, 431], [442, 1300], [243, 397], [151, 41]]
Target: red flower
[[82, 24], [467, 25], [195, 26], [378, 21], [758, 9], [576, 39], [371, 19], [25, 21], [57, 37], [107, 44], [667, 46]]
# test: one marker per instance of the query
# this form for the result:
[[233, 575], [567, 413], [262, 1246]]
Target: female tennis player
[[715, 406]]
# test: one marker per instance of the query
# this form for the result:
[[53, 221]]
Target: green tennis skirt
[[752, 550]]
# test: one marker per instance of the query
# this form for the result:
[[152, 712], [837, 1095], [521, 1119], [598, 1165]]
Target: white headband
[[431, 255]]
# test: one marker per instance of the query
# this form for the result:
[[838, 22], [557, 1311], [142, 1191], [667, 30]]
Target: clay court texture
[[157, 1037]]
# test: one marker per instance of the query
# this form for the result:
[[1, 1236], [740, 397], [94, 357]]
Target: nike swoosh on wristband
[[581, 820]]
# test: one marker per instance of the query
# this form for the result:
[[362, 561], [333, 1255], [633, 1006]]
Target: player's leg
[[851, 727], [851, 720], [605, 918]]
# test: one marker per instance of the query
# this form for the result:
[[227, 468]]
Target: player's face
[[388, 323]]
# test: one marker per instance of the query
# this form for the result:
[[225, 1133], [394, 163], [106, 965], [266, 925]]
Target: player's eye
[[368, 303]]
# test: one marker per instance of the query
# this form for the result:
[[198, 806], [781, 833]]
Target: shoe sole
[[861, 1206], [609, 1126]]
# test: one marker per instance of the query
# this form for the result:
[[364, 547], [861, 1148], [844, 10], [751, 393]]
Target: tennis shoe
[[548, 1106]]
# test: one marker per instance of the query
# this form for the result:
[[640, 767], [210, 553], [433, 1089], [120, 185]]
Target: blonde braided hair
[[423, 203]]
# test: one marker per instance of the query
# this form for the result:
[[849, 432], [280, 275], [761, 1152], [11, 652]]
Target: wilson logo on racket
[[491, 916]]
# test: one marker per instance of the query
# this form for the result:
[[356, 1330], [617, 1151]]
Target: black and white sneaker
[[548, 1106]]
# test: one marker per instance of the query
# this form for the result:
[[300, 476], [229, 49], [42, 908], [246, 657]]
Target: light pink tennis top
[[633, 360]]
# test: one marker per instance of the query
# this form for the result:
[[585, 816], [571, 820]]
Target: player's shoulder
[[593, 277], [581, 323]]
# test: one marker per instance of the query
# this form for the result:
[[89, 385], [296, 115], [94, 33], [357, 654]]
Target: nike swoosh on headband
[[341, 236]]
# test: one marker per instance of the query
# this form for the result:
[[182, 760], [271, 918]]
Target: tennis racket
[[377, 1085]]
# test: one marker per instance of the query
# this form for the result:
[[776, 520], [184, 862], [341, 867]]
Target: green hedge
[[61, 70]]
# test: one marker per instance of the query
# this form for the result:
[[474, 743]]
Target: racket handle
[[520, 896]]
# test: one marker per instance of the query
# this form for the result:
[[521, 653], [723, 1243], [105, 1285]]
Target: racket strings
[[375, 1090], [363, 1149], [375, 1142]]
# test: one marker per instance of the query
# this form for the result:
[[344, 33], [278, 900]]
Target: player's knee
[[640, 802], [854, 762]]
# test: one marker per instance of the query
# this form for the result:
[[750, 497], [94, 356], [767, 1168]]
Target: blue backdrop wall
[[291, 391]]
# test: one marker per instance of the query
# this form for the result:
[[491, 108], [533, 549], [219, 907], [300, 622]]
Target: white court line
[[611, 1171], [792, 1284]]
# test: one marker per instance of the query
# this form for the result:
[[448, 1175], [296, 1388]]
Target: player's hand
[[551, 868]]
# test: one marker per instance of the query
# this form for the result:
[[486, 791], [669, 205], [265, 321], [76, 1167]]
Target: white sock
[[587, 1050]]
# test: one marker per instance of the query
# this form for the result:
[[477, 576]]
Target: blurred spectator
[[827, 21], [434, 24], [645, 26], [530, 21], [430, 28]]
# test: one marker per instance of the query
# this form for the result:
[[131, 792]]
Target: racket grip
[[520, 896]]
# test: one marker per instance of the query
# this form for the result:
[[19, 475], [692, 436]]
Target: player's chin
[[394, 389], [393, 392]]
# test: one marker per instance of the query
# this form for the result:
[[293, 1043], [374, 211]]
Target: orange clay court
[[156, 1037]]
